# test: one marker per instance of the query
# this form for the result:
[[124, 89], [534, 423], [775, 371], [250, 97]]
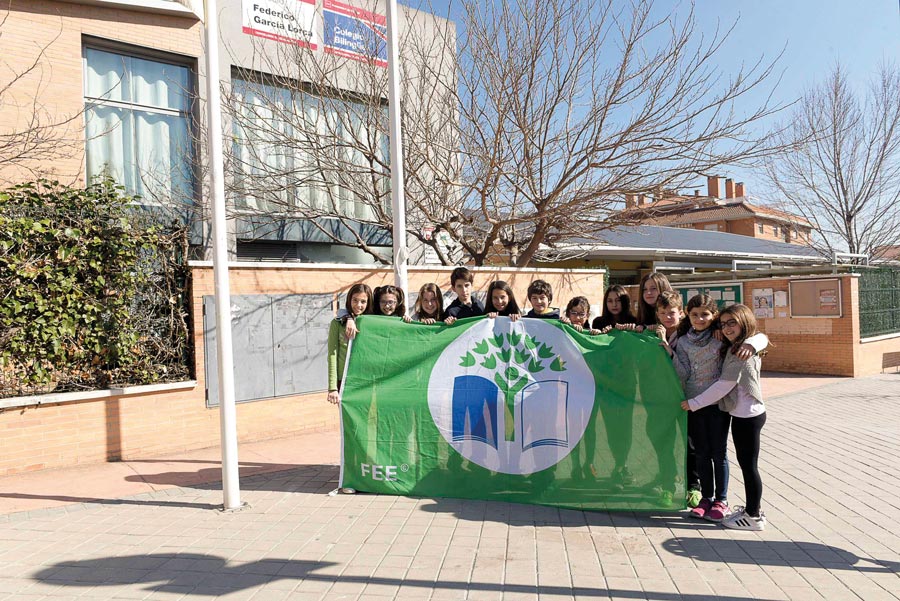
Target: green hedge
[[879, 301], [92, 291]]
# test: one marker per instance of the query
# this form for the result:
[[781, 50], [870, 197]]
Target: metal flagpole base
[[240, 507]]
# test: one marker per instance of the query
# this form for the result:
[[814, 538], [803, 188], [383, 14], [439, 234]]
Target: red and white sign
[[288, 21], [354, 33]]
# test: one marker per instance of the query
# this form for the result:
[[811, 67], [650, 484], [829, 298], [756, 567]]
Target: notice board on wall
[[816, 298], [725, 295]]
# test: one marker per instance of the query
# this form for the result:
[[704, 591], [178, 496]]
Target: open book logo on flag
[[514, 397]]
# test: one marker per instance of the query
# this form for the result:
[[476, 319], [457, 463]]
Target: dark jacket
[[461, 311], [551, 314]]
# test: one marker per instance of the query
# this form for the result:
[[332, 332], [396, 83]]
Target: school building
[[822, 317], [122, 81], [117, 88]]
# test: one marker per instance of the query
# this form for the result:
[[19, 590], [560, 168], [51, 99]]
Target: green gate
[[879, 302]]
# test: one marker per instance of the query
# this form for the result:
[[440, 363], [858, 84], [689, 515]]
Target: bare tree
[[311, 143], [32, 136], [842, 167], [523, 129]]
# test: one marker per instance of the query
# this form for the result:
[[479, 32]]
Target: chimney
[[729, 188], [739, 190], [630, 201], [712, 186], [696, 192]]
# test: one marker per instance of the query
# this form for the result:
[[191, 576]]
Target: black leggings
[[708, 429], [745, 434]]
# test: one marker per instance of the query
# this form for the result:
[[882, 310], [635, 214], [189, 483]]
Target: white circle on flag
[[513, 397]]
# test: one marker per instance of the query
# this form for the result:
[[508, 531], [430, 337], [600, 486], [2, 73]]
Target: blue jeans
[[709, 432]]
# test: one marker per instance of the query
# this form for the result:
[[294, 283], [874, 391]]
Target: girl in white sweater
[[738, 393]]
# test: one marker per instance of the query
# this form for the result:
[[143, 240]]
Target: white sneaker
[[739, 520]]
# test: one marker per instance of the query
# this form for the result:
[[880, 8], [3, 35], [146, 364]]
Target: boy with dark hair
[[465, 304], [540, 293], [669, 313]]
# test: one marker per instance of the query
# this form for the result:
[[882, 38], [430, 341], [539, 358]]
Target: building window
[[138, 124], [295, 152], [712, 226], [794, 234], [761, 228], [775, 230]]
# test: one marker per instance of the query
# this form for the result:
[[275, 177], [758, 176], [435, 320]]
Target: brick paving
[[830, 467]]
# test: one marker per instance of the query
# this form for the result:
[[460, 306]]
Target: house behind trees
[[728, 210]]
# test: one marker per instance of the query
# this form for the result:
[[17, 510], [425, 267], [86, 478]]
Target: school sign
[[354, 33], [529, 411], [288, 21]]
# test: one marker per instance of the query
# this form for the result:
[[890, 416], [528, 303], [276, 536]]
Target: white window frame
[[358, 210], [147, 54]]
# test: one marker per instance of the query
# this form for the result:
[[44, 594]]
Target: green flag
[[528, 411]]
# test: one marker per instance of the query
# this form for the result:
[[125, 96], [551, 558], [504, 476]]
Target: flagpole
[[225, 365], [398, 200]]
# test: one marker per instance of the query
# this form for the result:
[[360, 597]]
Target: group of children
[[716, 356]]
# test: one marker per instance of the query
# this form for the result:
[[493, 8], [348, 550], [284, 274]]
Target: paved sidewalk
[[832, 487], [29, 491], [44, 489]]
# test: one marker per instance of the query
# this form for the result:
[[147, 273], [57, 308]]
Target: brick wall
[[148, 425], [811, 345], [749, 227], [56, 83], [720, 226], [744, 227]]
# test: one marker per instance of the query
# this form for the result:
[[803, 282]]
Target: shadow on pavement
[[209, 575], [775, 553], [514, 514], [212, 476], [97, 501], [306, 479]]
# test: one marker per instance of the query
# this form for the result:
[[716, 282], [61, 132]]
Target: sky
[[813, 35]]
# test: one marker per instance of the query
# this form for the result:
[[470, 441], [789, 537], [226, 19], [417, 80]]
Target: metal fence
[[879, 302]]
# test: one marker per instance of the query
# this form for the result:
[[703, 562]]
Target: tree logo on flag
[[513, 397]]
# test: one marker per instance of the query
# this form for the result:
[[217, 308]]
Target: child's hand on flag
[[350, 330]]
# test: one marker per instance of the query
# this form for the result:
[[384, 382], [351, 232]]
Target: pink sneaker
[[700, 510], [718, 512]]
